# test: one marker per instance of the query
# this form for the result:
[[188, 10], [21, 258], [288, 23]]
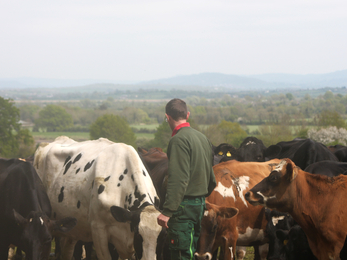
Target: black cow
[[276, 221], [327, 168], [251, 150], [302, 152], [223, 152], [340, 151], [295, 244], [25, 212]]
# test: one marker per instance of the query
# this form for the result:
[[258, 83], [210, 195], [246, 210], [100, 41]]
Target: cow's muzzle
[[254, 199], [206, 256]]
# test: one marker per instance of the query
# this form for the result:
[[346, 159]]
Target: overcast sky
[[145, 39]]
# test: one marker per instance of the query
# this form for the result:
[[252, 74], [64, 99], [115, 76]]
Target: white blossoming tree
[[329, 135]]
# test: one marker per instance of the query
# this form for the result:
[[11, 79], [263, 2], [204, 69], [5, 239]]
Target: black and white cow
[[25, 212], [107, 188]]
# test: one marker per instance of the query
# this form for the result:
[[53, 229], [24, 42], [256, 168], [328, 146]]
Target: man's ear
[[188, 113]]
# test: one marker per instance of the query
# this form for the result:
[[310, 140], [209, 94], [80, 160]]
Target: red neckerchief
[[179, 127]]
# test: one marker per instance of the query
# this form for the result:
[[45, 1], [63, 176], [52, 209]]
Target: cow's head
[[36, 233], [274, 191], [277, 221], [210, 224], [148, 235], [223, 152]]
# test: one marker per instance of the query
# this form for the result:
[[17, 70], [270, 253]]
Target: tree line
[[278, 117]]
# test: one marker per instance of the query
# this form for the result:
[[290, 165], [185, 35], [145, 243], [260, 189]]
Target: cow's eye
[[274, 178]]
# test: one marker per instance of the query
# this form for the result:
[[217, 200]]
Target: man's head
[[176, 109]]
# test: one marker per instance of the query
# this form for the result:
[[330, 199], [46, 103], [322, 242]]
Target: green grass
[[77, 136], [50, 136], [150, 127]]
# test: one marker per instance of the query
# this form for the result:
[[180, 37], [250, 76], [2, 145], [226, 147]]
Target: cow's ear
[[65, 224], [268, 214], [120, 214], [291, 170], [20, 220], [227, 212]]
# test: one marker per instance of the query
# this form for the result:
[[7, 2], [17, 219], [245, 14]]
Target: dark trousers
[[184, 228]]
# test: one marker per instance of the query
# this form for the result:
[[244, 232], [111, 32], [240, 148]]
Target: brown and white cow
[[317, 204], [234, 179]]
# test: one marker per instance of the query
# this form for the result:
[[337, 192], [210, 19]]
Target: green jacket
[[190, 168]]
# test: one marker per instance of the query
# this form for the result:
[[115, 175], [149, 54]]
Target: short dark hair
[[177, 109]]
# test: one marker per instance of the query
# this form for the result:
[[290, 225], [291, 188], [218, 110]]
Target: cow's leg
[[18, 255], [77, 253], [240, 252], [100, 241], [67, 245], [229, 248], [88, 246], [263, 250], [3, 251]]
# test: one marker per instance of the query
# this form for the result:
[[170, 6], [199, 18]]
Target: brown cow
[[317, 204], [234, 178], [157, 165]]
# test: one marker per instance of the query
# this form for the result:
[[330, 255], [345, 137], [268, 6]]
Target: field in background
[[82, 136]]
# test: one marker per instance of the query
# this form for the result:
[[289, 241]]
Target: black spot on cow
[[88, 165], [136, 192], [118, 184], [77, 158], [132, 177], [67, 159], [107, 178], [67, 167], [144, 173], [78, 170], [78, 204], [61, 195], [130, 199], [125, 171], [121, 177], [135, 206], [101, 189]]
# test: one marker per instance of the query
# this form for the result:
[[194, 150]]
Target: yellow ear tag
[[285, 242], [220, 153], [228, 154]]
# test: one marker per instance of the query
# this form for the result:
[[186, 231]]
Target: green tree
[[331, 118], [226, 132], [54, 118], [14, 141], [114, 128]]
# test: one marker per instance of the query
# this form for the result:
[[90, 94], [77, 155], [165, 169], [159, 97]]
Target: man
[[190, 180]]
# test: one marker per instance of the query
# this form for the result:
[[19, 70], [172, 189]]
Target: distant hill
[[231, 82], [252, 82], [202, 81]]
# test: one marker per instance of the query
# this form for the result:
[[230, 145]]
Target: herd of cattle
[[285, 200]]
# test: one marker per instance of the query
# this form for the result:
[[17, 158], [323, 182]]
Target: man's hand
[[162, 220]]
